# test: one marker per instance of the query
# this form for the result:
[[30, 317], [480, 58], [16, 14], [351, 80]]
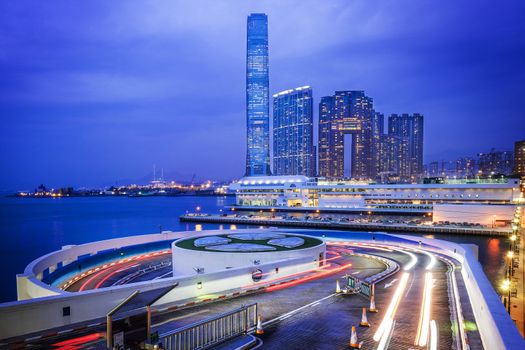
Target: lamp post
[[506, 287]]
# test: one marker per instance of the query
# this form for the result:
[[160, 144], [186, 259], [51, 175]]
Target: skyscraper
[[408, 129], [325, 143], [519, 158], [257, 96], [293, 149], [347, 112], [496, 163]]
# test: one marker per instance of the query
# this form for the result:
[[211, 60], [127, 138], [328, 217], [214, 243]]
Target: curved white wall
[[187, 261]]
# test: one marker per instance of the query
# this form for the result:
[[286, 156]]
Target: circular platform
[[218, 252], [249, 242]]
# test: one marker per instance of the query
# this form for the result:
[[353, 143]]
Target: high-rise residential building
[[257, 96], [325, 143], [496, 163], [433, 169], [377, 152], [519, 158], [465, 167], [410, 129], [293, 148], [347, 112]]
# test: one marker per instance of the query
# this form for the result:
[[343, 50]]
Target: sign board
[[133, 329], [367, 289]]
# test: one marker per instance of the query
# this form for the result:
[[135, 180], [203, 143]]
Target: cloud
[[130, 83]]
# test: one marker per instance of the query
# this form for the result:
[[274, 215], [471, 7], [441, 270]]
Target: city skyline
[[141, 91]]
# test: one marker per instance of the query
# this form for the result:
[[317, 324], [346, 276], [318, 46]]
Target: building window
[[66, 311]]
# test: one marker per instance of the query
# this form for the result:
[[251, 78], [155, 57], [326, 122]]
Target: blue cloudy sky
[[93, 92]]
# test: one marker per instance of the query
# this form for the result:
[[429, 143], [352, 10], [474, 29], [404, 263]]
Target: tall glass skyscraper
[[257, 96], [293, 128]]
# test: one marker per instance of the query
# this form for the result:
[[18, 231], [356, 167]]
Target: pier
[[342, 225]]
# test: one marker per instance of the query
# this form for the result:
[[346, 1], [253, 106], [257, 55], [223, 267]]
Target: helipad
[[249, 242]]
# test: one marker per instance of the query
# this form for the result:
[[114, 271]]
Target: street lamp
[[506, 288]]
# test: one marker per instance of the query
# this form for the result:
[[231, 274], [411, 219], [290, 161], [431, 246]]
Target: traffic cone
[[353, 340], [337, 287], [364, 320], [259, 329], [372, 305]]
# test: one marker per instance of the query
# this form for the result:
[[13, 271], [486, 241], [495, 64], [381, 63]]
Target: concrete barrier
[[49, 311], [496, 328], [35, 315]]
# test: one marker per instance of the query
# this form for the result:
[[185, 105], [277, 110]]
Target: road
[[311, 315], [133, 269]]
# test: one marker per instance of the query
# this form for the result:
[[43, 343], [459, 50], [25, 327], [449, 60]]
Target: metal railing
[[209, 332]]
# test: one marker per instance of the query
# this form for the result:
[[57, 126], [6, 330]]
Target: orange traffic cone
[[337, 287], [364, 320], [259, 329], [353, 340], [372, 305]]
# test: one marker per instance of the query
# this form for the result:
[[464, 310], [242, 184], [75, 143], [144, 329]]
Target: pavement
[[328, 326]]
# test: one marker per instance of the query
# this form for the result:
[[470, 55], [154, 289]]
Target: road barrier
[[212, 331]]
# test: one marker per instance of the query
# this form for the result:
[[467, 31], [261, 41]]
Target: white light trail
[[386, 335], [433, 335], [424, 318], [432, 257], [392, 308], [412, 263]]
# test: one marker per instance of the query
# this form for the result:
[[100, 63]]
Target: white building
[[478, 196]]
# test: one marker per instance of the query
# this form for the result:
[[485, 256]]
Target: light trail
[[413, 260], [433, 335], [424, 317], [286, 277], [432, 262], [108, 276], [386, 335], [432, 257], [86, 283], [308, 278], [105, 266], [392, 308]]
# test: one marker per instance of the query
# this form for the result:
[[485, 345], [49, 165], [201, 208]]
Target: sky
[[95, 92]]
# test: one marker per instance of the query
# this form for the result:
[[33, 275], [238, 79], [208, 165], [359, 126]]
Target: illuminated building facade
[[346, 112], [453, 200], [406, 132], [293, 149], [519, 158], [257, 96], [465, 167], [495, 163]]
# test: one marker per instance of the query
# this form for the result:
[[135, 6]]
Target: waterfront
[[33, 227]]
